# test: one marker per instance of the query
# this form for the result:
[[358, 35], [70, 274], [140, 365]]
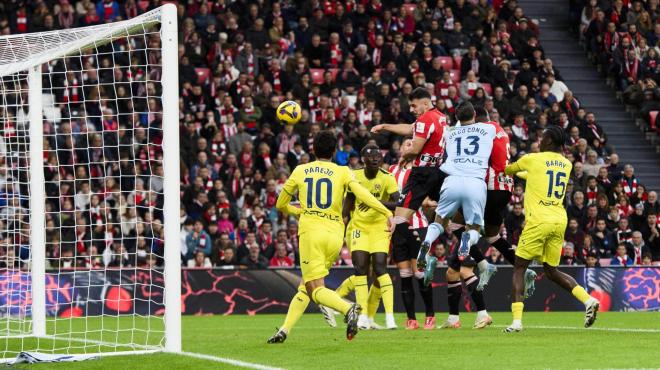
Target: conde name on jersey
[[317, 169], [467, 130]]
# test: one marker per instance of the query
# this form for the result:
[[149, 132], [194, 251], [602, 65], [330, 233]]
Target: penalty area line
[[620, 330], [239, 363]]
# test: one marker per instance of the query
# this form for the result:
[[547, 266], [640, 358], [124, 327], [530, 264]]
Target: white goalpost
[[89, 189]]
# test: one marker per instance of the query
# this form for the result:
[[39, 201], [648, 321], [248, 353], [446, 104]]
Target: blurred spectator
[[568, 255], [200, 261], [281, 257], [254, 259], [621, 257]]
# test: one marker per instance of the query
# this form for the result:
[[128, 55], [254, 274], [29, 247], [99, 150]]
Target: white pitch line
[[620, 330], [248, 365]]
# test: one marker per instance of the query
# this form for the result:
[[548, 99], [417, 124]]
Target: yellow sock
[[387, 292], [346, 286], [374, 300], [297, 308], [581, 294], [517, 310], [330, 298], [361, 290]]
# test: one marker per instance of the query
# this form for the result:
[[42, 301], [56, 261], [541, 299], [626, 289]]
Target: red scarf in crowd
[[592, 194], [246, 159], [107, 11], [71, 94], [21, 21], [250, 66], [277, 83], [611, 41], [629, 187], [336, 55], [632, 66]]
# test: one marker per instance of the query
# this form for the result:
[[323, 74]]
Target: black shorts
[[408, 251], [496, 206], [423, 182], [455, 264]]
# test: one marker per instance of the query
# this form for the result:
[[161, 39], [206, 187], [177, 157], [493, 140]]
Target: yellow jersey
[[381, 187], [547, 177], [321, 186]]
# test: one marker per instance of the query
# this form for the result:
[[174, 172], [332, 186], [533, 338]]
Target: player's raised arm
[[286, 195], [517, 167], [399, 129]]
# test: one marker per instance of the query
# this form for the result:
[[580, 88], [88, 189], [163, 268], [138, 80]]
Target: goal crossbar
[[20, 52]]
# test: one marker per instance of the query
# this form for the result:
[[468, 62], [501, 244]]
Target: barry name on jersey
[[555, 163]]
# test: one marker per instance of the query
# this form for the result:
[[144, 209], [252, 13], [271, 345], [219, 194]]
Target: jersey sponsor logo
[[468, 160], [327, 216], [549, 203], [505, 179], [429, 158]]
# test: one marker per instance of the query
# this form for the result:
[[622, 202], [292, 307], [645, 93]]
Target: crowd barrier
[[235, 291]]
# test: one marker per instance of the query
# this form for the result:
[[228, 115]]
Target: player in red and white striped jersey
[[401, 172], [425, 179], [405, 255]]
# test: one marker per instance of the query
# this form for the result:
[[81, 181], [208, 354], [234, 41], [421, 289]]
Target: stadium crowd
[[621, 38], [351, 65]]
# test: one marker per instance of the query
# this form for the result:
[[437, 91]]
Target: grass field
[[550, 340]]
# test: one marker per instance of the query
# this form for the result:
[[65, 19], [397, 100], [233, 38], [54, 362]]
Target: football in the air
[[289, 112]]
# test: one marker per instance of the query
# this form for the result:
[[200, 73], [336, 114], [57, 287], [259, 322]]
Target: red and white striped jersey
[[401, 175], [496, 179], [430, 126]]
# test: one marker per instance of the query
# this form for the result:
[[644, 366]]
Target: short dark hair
[[420, 93], [465, 112], [368, 148], [481, 114], [556, 135], [325, 144]]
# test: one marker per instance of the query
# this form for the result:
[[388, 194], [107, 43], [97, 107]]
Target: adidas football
[[289, 112]]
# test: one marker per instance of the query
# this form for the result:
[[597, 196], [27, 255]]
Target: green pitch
[[550, 340]]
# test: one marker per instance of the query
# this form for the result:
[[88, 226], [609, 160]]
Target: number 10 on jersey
[[314, 193]]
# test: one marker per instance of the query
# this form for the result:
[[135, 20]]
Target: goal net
[[89, 189]]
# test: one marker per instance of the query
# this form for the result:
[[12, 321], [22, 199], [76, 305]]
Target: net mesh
[[103, 170]]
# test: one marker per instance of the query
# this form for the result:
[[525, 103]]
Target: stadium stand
[[351, 65]]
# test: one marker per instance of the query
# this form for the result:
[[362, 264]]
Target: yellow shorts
[[318, 252], [542, 242], [369, 240]]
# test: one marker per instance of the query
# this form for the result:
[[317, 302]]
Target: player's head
[[420, 101], [371, 156], [481, 114], [465, 112], [553, 139], [325, 144]]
